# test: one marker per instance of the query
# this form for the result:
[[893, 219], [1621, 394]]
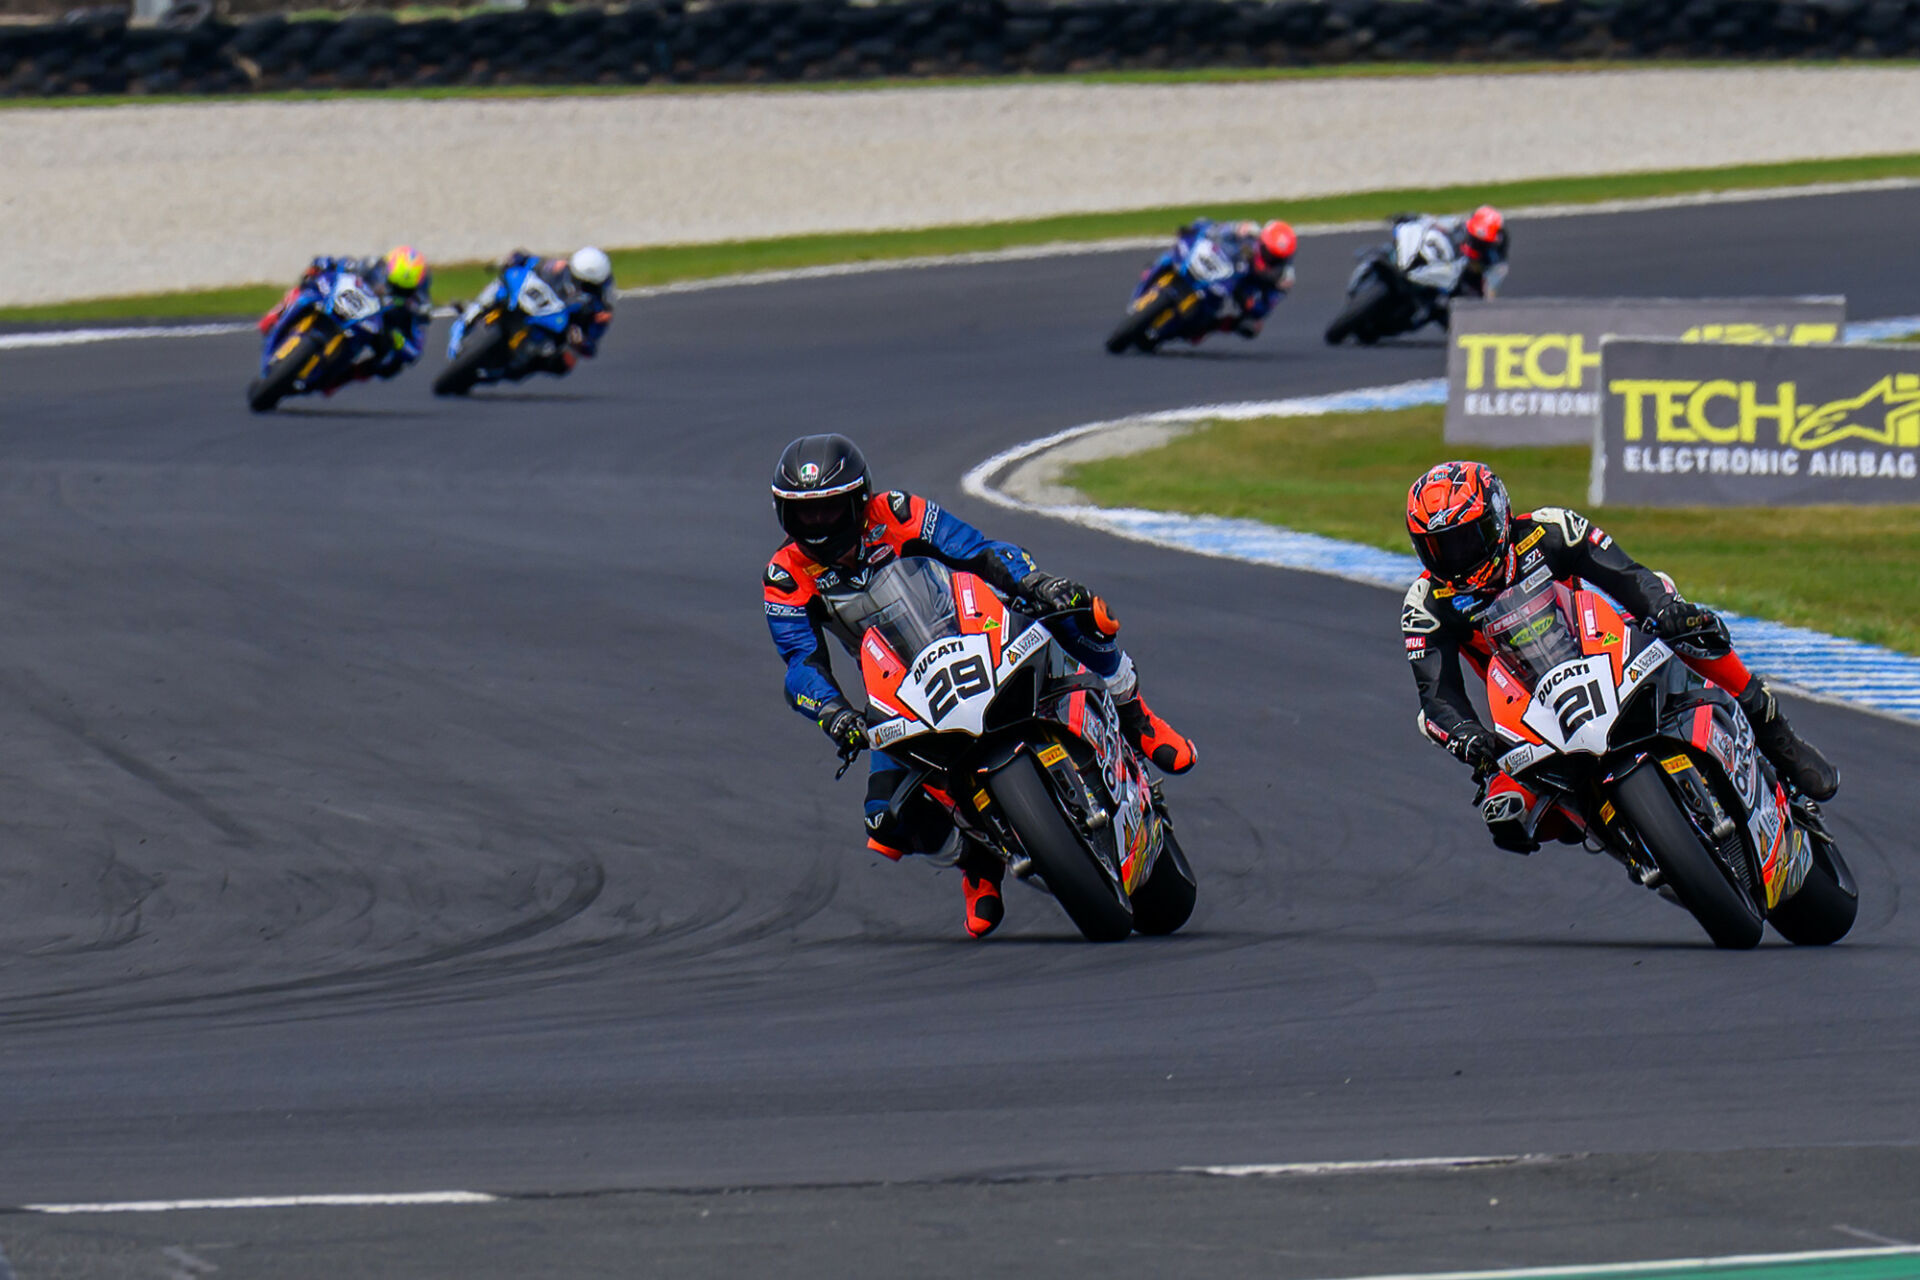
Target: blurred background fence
[[225, 46]]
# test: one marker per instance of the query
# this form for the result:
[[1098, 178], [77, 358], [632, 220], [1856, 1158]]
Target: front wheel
[[273, 386], [464, 370], [1356, 318], [1704, 888], [1822, 912], [1089, 896]]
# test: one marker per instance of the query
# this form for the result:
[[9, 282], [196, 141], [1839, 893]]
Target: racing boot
[[1792, 757], [980, 875], [1154, 738]]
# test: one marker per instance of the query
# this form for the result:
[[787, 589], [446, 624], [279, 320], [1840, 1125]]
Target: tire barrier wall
[[754, 42]]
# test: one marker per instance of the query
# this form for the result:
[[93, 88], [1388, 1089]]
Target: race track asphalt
[[400, 797]]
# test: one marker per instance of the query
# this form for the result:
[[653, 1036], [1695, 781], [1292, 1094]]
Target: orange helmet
[[1277, 241], [1457, 517], [1485, 224], [405, 267]]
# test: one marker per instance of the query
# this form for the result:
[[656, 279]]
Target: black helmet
[[820, 493]]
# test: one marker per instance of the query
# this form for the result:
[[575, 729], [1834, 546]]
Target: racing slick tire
[[1822, 912], [1128, 332], [1704, 887], [1138, 328], [1087, 894], [1353, 318], [1164, 902], [266, 391], [464, 369]]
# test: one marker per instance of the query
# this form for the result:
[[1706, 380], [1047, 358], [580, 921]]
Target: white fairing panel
[[1575, 705], [536, 298], [950, 683], [353, 301]]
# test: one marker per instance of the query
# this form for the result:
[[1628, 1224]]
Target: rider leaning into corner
[[1458, 518], [1480, 245], [1263, 260], [838, 530], [405, 288], [584, 281]]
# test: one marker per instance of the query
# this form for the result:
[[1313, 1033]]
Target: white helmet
[[590, 266]]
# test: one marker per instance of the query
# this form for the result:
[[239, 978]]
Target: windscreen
[[1528, 631], [909, 602]]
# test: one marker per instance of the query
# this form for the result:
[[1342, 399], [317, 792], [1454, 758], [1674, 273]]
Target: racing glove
[[845, 726], [1056, 593], [1473, 744], [1692, 625]]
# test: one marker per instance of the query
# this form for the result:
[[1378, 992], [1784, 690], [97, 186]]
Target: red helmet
[[1277, 241], [1485, 223], [1457, 518]]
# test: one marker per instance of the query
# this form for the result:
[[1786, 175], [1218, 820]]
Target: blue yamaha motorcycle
[[516, 323], [1180, 296], [330, 324]]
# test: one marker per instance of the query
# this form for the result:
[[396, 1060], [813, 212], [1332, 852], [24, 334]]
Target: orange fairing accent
[[1508, 699], [1702, 736], [882, 671], [980, 611], [1077, 712], [1602, 630]]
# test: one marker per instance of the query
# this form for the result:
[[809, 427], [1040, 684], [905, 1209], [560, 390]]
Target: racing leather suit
[[900, 524], [405, 313], [1482, 267], [1254, 291], [1438, 625]]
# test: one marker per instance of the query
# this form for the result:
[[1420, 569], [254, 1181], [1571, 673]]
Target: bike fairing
[[574, 314], [1252, 293], [405, 314]]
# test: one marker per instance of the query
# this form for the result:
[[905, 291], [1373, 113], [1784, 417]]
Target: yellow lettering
[[1783, 411], [1507, 372], [1633, 393], [1719, 389], [1476, 345]]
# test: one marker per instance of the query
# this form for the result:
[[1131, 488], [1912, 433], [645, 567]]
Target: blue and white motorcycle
[[323, 331], [1180, 296], [516, 324]]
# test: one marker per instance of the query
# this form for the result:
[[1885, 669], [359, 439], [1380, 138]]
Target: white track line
[[268, 1202], [1322, 1168], [1655, 1268], [1028, 253]]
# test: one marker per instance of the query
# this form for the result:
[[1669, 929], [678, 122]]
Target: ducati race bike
[[1657, 766], [516, 323], [1180, 296], [997, 723], [1400, 286], [332, 324]]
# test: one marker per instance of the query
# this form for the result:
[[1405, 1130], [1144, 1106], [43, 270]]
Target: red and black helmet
[[1485, 226], [1277, 243], [1458, 518], [820, 493]]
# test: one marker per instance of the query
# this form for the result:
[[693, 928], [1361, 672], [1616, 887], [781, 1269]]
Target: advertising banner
[[1697, 425], [1527, 371]]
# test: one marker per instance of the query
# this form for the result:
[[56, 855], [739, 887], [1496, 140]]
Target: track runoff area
[[1300, 1219]]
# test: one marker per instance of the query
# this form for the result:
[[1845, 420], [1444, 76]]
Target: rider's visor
[[1454, 555], [811, 518]]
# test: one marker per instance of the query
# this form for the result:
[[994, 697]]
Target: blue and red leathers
[[1254, 290], [899, 524]]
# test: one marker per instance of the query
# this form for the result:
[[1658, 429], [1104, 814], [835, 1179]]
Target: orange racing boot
[[1154, 738], [980, 874]]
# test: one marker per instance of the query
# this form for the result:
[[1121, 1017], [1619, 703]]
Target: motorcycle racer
[[1473, 548], [1263, 261], [1479, 241], [584, 281], [838, 529], [404, 285]]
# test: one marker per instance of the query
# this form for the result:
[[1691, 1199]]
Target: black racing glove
[[1473, 744], [1691, 625], [1058, 594], [847, 727]]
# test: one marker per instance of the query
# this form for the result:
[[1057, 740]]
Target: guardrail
[[771, 41]]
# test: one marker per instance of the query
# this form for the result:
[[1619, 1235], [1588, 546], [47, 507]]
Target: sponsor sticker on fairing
[[880, 735]]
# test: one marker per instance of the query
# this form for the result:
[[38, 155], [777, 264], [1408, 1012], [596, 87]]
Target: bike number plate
[[950, 683], [1206, 262], [1575, 704], [537, 299], [352, 300]]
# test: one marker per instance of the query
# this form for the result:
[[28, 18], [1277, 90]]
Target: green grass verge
[[636, 267], [1852, 571], [1202, 75]]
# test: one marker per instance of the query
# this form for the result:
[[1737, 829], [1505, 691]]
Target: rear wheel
[[277, 382], [1823, 911], [1164, 902], [1356, 319], [1090, 898], [481, 347], [1704, 888]]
